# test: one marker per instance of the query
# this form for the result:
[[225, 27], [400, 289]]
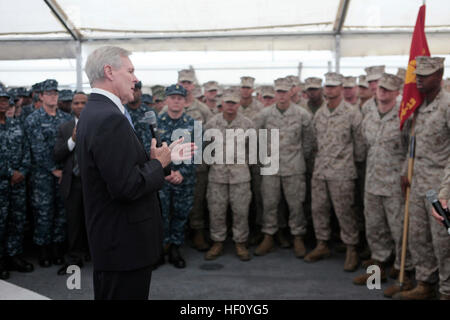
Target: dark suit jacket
[[120, 189], [62, 154]]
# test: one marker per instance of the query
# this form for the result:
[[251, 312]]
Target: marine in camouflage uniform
[[296, 142], [176, 199], [199, 112], [428, 240], [49, 215], [137, 112], [28, 109], [250, 108], [14, 162], [387, 148], [229, 184], [338, 132]]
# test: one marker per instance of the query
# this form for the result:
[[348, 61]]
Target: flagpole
[[408, 189]]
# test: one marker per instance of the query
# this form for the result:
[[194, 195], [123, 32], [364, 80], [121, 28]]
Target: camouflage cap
[[210, 86], [176, 89], [49, 85], [65, 95], [401, 72], [247, 82], [158, 92], [349, 82], [333, 79], [282, 84], [313, 83], [22, 92], [231, 94], [146, 98], [293, 80], [13, 93], [37, 87], [186, 75], [4, 93], [362, 81], [267, 91], [428, 65], [11, 101], [390, 82], [374, 72]]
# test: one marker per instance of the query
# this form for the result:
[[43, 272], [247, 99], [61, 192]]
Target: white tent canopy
[[52, 28]]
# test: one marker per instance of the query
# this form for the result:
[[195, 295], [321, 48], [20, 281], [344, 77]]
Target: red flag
[[412, 98]]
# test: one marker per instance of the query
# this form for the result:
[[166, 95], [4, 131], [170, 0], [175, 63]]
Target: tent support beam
[[63, 19], [337, 52], [79, 67]]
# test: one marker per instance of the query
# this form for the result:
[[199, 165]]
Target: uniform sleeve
[[308, 137], [25, 164], [40, 150], [444, 192], [358, 140]]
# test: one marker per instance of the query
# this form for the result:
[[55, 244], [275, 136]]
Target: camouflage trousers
[[256, 206], [429, 244], [198, 212], [359, 195], [340, 194], [239, 196], [176, 203], [12, 217], [48, 209], [294, 189], [384, 227]]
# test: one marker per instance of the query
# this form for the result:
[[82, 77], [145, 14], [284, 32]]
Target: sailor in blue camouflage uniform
[[177, 195], [14, 165], [36, 90], [137, 110], [49, 216]]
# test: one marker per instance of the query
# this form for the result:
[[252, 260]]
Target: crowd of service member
[[340, 184]]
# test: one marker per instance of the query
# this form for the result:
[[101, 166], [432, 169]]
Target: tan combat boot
[[351, 259], [299, 247], [321, 251], [423, 291], [395, 288], [361, 280], [242, 252], [265, 246], [199, 241], [215, 251]]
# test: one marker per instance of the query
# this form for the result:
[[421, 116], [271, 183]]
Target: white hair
[[100, 57]]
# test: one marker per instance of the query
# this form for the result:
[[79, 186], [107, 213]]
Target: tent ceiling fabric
[[217, 25]]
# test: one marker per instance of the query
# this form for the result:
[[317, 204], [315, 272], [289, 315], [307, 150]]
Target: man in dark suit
[[70, 188], [120, 181]]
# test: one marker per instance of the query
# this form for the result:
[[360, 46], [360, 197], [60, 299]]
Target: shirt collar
[[112, 97]]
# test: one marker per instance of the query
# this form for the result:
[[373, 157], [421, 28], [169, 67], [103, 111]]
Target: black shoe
[[4, 273], [175, 258], [58, 255], [44, 257], [18, 264], [63, 270]]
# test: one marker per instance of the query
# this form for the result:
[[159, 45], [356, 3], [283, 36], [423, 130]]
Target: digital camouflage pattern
[[48, 209], [14, 156]]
